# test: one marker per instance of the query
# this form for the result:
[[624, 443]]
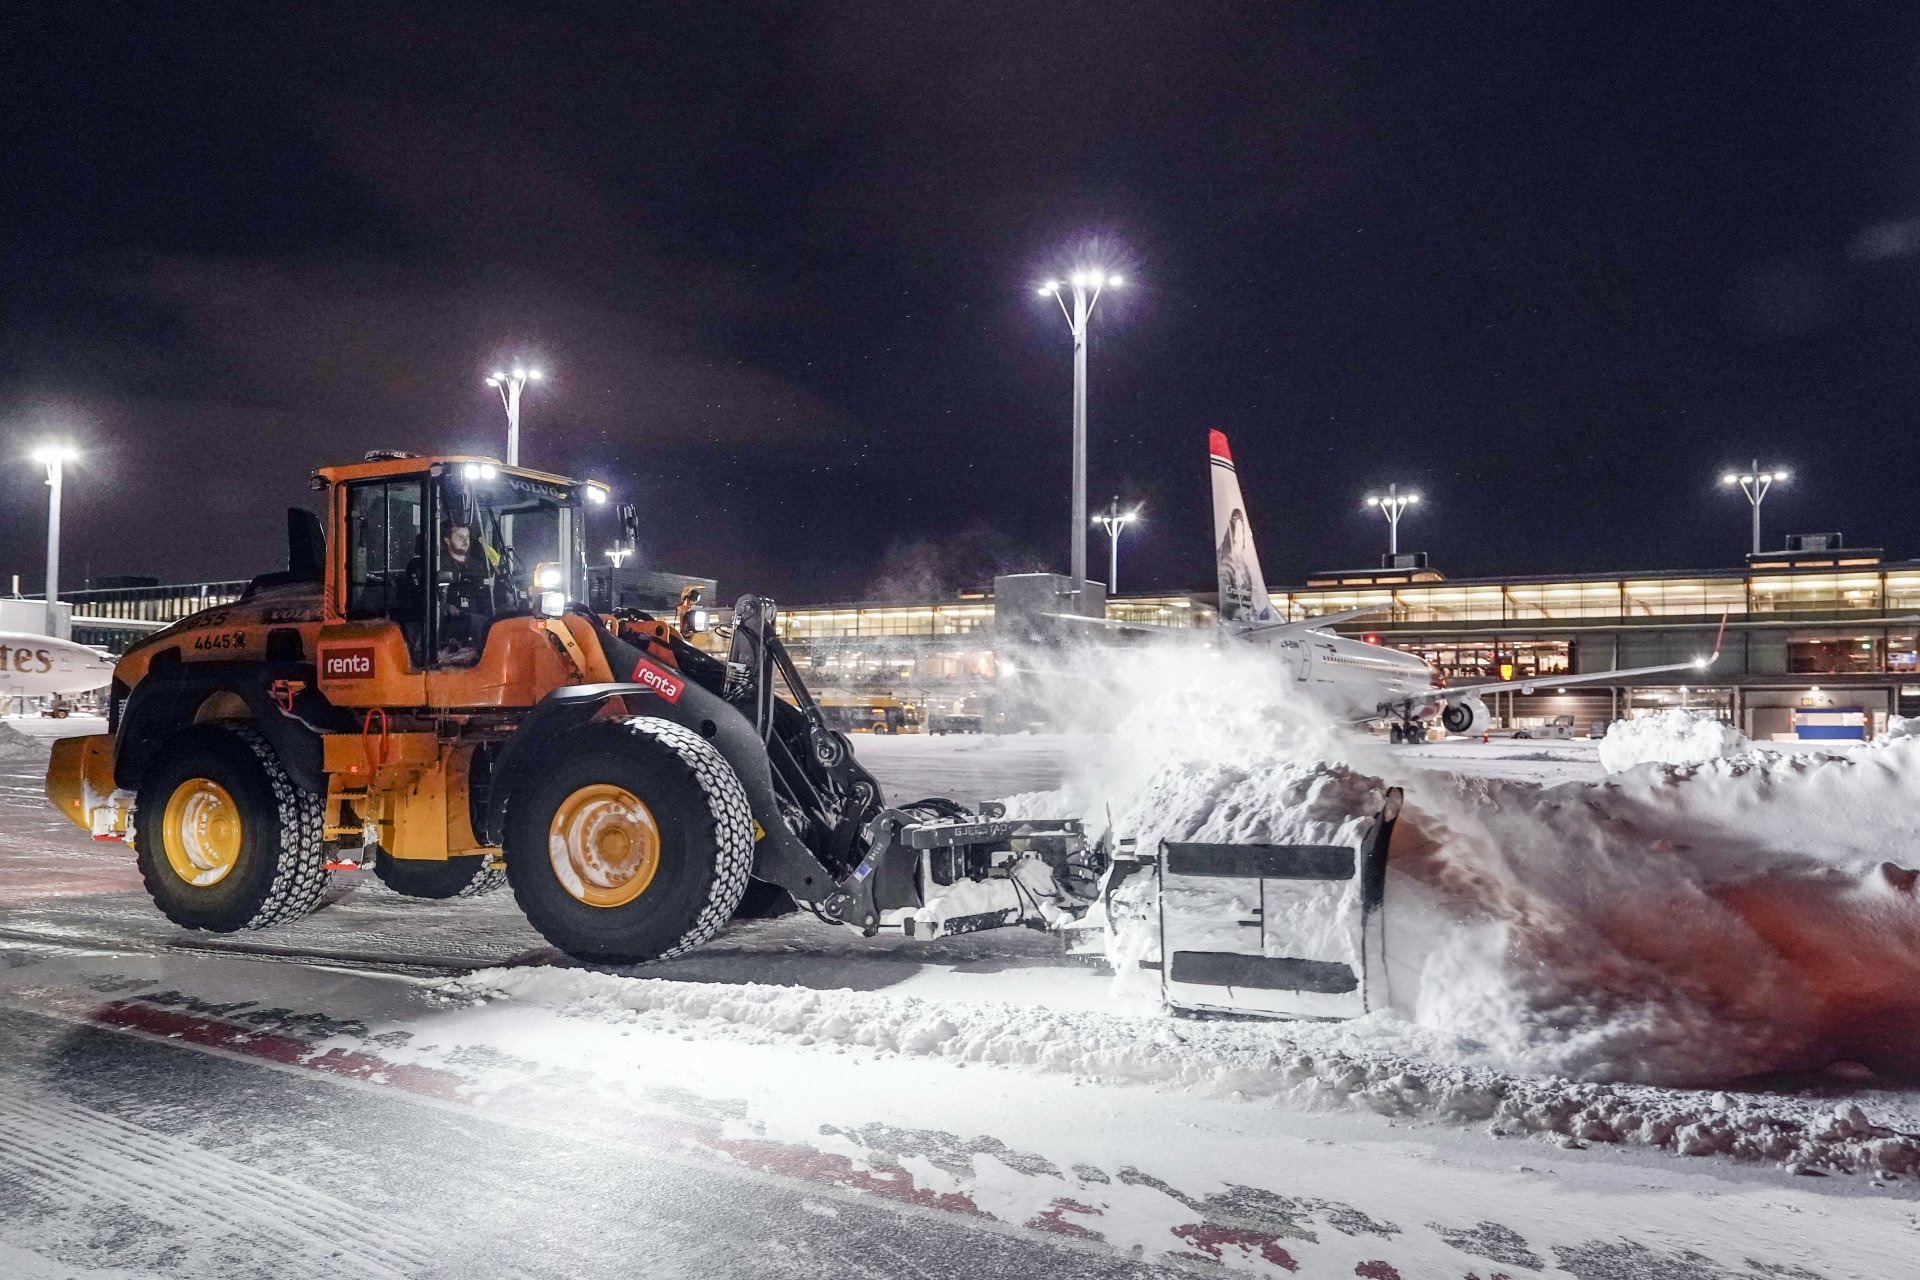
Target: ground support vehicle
[[420, 693], [1559, 728]]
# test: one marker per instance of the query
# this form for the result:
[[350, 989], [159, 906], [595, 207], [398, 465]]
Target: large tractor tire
[[224, 838], [634, 843], [420, 878]]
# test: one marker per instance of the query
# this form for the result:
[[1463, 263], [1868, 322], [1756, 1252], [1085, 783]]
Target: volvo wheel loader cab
[[421, 692]]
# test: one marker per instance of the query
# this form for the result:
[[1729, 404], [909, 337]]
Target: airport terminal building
[[1820, 639]]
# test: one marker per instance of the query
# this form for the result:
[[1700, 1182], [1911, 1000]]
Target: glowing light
[[54, 454], [550, 579], [533, 375], [488, 471], [596, 494], [1113, 282]]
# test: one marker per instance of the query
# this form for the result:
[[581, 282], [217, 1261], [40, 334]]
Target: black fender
[[779, 856], [165, 699]]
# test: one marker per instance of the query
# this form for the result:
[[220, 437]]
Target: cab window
[[384, 548]]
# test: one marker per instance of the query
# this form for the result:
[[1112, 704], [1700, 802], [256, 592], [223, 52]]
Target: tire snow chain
[[300, 872], [732, 825]]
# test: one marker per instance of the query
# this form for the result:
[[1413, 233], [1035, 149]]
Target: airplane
[[38, 666], [1352, 679]]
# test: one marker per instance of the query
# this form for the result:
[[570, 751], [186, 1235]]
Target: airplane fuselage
[[37, 666], [1351, 679]]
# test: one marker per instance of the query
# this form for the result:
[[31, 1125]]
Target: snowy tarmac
[[341, 1097]]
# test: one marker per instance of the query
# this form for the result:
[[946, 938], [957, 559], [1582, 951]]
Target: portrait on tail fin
[[1236, 570], [1243, 589]]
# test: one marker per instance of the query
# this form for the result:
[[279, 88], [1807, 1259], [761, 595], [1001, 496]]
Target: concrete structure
[[30, 617]]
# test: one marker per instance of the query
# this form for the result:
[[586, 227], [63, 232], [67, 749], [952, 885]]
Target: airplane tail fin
[[1243, 591]]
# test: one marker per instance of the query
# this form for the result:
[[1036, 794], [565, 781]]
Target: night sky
[[1553, 265]]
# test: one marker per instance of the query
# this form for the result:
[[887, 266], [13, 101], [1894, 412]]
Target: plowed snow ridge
[[1303, 1064]]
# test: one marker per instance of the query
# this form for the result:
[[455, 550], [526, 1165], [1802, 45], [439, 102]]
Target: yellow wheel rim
[[604, 844], [201, 832]]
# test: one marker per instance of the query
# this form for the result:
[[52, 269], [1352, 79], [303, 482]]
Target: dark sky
[[1554, 265]]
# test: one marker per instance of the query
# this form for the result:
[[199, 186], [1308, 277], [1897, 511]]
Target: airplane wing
[[1455, 693]]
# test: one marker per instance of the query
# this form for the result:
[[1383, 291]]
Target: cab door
[[373, 644]]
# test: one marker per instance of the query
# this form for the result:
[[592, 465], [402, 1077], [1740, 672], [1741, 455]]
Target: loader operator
[[464, 590]]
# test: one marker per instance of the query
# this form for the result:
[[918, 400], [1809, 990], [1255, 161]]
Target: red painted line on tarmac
[[1055, 1219], [171, 1024], [814, 1165], [1213, 1239]]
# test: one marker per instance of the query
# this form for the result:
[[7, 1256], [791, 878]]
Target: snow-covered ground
[[988, 1079]]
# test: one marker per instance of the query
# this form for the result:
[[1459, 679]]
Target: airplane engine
[[1467, 716]]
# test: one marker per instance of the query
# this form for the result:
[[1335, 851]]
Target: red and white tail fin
[[1243, 591]]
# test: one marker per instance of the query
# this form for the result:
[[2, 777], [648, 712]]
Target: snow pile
[[1670, 737], [1902, 727], [1693, 925], [15, 745], [1745, 916], [1318, 1065]]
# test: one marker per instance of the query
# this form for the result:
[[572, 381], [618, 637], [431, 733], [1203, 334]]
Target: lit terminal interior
[[1818, 628]]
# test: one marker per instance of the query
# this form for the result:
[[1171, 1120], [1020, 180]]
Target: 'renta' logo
[[346, 664], [658, 679]]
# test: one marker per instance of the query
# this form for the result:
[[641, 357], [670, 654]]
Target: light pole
[[1113, 520], [1754, 483], [1086, 285], [1393, 506], [54, 457], [509, 386]]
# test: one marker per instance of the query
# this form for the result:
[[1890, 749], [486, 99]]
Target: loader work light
[[553, 603]]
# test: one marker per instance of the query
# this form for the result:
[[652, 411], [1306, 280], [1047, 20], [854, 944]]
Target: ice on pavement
[[1670, 737], [15, 745]]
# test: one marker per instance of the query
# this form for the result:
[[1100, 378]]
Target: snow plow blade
[[1282, 930]]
